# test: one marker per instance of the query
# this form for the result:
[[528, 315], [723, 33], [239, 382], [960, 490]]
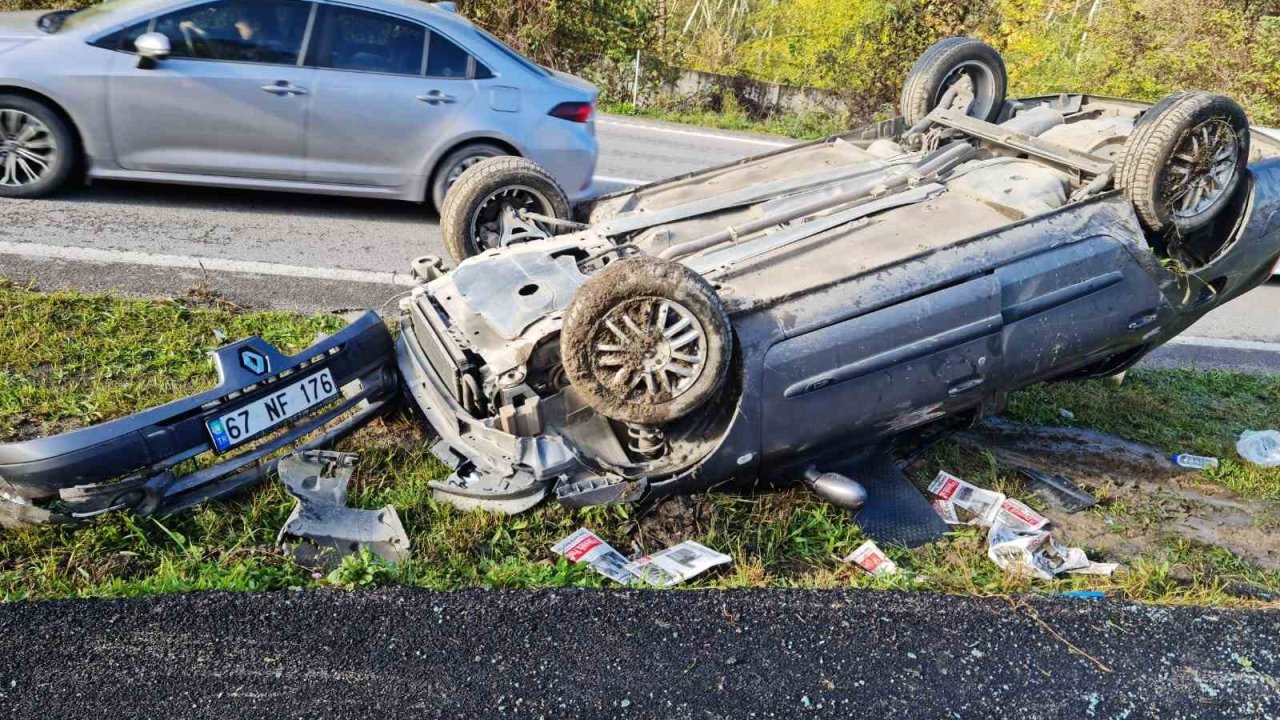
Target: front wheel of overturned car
[[646, 341], [38, 150], [972, 68], [483, 209], [1184, 160]]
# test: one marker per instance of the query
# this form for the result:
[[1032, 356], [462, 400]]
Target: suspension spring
[[646, 442]]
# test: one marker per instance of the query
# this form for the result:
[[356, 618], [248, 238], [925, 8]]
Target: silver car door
[[232, 99], [375, 115]]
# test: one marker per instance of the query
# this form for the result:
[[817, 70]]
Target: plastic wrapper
[[676, 564], [871, 558], [1260, 447], [585, 546], [984, 507]]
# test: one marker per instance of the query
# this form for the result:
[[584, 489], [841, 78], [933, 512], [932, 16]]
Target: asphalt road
[[314, 253], [600, 654]]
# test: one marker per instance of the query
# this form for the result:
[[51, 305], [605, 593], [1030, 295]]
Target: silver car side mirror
[[151, 47]]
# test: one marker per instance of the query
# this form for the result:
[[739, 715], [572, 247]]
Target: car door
[[230, 100], [389, 92]]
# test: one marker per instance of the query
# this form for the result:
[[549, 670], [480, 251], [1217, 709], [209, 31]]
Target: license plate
[[249, 421]]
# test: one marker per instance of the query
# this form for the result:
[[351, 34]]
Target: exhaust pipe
[[837, 489]]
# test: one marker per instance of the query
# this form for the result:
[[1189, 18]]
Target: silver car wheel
[[490, 224], [456, 171], [654, 349], [27, 148], [1201, 168]]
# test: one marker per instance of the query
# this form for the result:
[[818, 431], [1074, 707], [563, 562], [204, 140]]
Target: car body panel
[[850, 334]]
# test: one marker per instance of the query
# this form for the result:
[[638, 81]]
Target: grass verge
[[68, 359], [801, 126]]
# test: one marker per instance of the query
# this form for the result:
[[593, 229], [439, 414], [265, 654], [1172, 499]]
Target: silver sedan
[[384, 98]]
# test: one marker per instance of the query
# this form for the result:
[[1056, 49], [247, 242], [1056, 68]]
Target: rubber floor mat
[[896, 512]]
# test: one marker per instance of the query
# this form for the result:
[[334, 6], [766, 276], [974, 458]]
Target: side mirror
[[151, 47]]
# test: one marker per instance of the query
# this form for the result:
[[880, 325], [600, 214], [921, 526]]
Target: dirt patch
[[671, 522], [1145, 500]]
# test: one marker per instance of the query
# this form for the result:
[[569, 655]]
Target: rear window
[[445, 59], [505, 50]]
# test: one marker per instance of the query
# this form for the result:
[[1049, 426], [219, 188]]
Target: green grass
[[68, 359]]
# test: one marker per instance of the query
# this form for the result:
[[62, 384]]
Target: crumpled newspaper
[[1037, 554], [664, 569], [1018, 539]]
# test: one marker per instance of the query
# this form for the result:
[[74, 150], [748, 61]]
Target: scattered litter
[[986, 507], [585, 546], [1057, 491], [1194, 462], [1083, 594], [664, 569], [676, 564], [947, 511], [871, 558], [1037, 554], [1067, 414], [1018, 540], [322, 530], [1260, 447]]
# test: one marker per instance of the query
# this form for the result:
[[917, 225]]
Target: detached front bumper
[[129, 463]]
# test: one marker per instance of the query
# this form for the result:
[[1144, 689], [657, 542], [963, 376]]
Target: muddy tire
[[946, 62], [471, 217], [1184, 160], [39, 152], [646, 341]]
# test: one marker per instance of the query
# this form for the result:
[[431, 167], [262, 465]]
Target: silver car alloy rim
[[650, 349], [487, 223], [1201, 168], [27, 148]]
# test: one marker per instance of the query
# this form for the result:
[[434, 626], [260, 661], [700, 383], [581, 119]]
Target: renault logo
[[254, 361]]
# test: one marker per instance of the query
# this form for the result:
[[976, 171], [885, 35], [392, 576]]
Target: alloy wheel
[[1201, 168], [649, 349], [28, 150]]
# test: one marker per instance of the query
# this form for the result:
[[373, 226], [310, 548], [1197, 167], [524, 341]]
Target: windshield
[[501, 46], [57, 20]]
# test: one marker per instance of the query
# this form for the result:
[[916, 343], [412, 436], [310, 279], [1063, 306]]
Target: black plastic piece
[[896, 513], [1058, 491]]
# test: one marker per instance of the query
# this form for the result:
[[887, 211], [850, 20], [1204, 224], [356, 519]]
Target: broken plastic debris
[[1194, 462], [585, 546], [1066, 414], [1035, 553], [322, 530], [1057, 491], [1260, 447], [871, 558], [676, 564]]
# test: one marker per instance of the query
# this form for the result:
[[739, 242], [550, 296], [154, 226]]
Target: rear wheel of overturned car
[[646, 341], [972, 67], [484, 208], [38, 150], [1184, 160]]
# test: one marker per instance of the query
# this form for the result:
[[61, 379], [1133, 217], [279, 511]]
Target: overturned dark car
[[752, 321]]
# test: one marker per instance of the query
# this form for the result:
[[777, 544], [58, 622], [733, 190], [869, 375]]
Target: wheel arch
[[55, 106]]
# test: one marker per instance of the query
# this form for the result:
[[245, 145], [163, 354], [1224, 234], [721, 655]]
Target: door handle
[[435, 97], [284, 87]]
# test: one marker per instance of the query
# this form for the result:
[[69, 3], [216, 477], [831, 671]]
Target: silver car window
[[259, 31], [350, 39]]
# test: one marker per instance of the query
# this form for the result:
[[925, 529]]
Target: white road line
[[83, 254], [1225, 343], [623, 181], [694, 133]]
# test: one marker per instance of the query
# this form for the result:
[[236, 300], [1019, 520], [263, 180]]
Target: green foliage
[[362, 570]]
